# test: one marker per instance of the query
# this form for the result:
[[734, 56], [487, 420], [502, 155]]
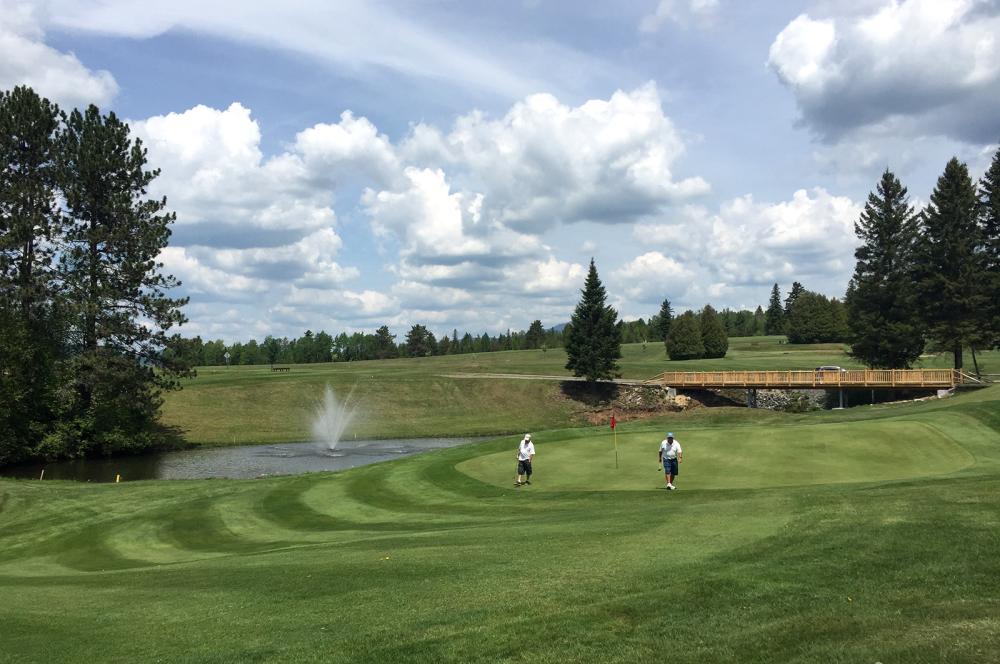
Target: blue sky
[[343, 165]]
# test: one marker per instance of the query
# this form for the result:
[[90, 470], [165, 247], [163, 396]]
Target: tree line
[[420, 342], [311, 347], [928, 279], [806, 317], [84, 310]]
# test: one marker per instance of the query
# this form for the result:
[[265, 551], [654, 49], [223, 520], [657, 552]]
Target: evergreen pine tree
[[30, 225], [947, 267], [593, 344], [793, 294], [664, 319], [884, 324], [713, 334], [989, 223], [444, 345], [121, 313], [774, 317], [417, 341], [535, 335], [759, 321], [684, 341]]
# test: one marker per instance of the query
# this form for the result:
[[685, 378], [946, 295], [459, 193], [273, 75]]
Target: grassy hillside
[[852, 536], [418, 397]]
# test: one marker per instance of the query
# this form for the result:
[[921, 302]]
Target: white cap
[[527, 436]]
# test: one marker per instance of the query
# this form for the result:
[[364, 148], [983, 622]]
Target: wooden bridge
[[810, 379]]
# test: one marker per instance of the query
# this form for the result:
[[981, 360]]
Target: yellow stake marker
[[118, 478]]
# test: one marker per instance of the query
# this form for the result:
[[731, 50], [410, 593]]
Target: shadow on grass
[[590, 394]]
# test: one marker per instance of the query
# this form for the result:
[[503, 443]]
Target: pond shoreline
[[235, 461]]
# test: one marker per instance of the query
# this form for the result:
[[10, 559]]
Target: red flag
[[613, 422]]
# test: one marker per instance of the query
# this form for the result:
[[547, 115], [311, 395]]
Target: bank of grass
[[421, 397], [853, 536]]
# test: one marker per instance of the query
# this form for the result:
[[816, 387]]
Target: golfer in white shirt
[[670, 457], [525, 453]]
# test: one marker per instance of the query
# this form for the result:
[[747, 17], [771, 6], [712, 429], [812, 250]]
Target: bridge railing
[[873, 378]]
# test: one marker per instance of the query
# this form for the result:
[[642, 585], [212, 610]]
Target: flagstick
[[614, 430]]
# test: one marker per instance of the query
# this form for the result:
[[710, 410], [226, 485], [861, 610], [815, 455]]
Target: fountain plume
[[332, 419]]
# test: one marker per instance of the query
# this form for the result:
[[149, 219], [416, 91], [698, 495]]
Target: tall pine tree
[[121, 311], [989, 222], [774, 317], [665, 318], [593, 344], [419, 341], [947, 266], [30, 225], [535, 336], [797, 290], [885, 329]]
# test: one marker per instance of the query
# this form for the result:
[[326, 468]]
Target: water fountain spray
[[332, 419]]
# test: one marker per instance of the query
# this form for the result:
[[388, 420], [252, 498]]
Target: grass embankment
[[853, 536], [417, 397]]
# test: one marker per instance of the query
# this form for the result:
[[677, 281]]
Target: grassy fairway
[[873, 536], [420, 397]]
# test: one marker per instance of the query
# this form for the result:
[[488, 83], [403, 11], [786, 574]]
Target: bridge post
[[751, 397], [841, 397]]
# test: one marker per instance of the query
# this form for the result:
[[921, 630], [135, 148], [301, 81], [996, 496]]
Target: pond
[[238, 462]]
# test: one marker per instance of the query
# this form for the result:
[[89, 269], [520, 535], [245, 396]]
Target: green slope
[[420, 397], [739, 457]]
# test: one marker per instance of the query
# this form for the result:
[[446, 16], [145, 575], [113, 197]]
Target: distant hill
[[559, 328]]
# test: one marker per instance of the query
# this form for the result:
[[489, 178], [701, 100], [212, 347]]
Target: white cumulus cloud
[[25, 59], [462, 216], [856, 71], [749, 244], [545, 162], [652, 275], [340, 150], [548, 277]]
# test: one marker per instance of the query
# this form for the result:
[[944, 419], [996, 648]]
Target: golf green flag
[[615, 434]]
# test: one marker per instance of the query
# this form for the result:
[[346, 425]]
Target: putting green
[[737, 458]]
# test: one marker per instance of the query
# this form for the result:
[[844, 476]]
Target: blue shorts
[[670, 467]]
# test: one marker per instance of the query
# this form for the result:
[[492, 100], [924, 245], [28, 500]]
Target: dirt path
[[575, 379]]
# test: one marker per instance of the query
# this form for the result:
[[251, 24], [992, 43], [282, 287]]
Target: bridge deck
[[858, 378]]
